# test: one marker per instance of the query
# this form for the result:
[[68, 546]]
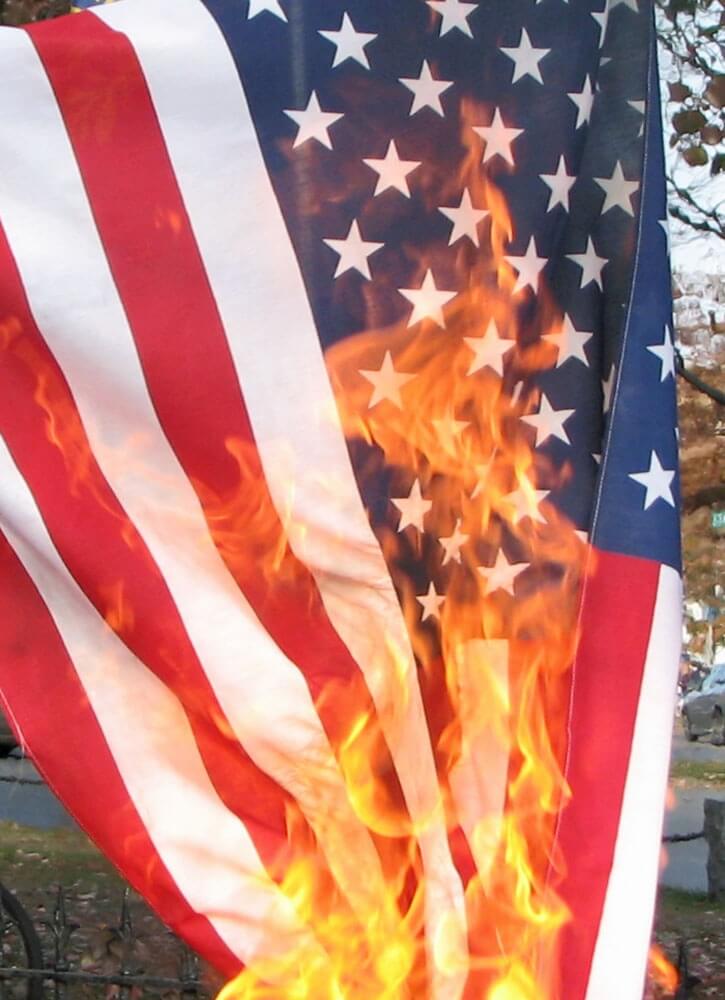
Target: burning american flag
[[338, 492]]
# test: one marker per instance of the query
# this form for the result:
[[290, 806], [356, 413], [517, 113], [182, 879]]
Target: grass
[[66, 857], [33, 863], [697, 771], [677, 903], [698, 922]]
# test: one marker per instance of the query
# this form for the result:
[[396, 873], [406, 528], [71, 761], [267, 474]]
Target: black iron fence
[[34, 966]]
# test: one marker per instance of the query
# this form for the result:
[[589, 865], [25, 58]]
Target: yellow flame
[[460, 435], [494, 675]]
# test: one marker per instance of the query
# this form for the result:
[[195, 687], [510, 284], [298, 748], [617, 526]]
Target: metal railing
[[26, 972]]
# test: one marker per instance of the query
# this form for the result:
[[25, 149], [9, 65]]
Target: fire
[[340, 968], [662, 971], [494, 671], [494, 650]]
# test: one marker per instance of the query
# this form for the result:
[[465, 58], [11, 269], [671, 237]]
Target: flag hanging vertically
[[338, 498]]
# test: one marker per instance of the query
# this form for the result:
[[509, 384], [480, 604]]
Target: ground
[[691, 919], [34, 862], [699, 923]]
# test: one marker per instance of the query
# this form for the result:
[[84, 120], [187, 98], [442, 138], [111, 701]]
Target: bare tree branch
[[703, 227], [710, 220], [690, 54]]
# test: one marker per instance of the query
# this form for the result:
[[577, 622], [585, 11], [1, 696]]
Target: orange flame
[[493, 672], [662, 971], [494, 679]]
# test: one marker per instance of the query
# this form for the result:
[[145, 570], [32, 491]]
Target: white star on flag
[[259, 6], [591, 265], [526, 502], [549, 422], [618, 190], [349, 44], [448, 429], [392, 171], [583, 100], [453, 544], [656, 481], [560, 184], [569, 342], [498, 138], [313, 122], [454, 14], [526, 58], [529, 267], [413, 508], [602, 19], [386, 382], [465, 219], [353, 252], [426, 91], [430, 603], [666, 354], [489, 350], [502, 575], [608, 389], [428, 301]]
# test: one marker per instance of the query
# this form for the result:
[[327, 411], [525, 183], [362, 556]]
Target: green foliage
[[676, 902], [699, 771]]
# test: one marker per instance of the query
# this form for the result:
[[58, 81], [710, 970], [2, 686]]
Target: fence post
[[715, 837]]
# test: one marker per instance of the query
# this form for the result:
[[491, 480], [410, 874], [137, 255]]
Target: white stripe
[[75, 303], [479, 778], [620, 958], [205, 848], [256, 280]]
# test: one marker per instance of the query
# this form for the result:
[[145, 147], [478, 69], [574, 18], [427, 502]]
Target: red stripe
[[617, 612], [162, 283], [109, 561], [36, 672], [185, 357]]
